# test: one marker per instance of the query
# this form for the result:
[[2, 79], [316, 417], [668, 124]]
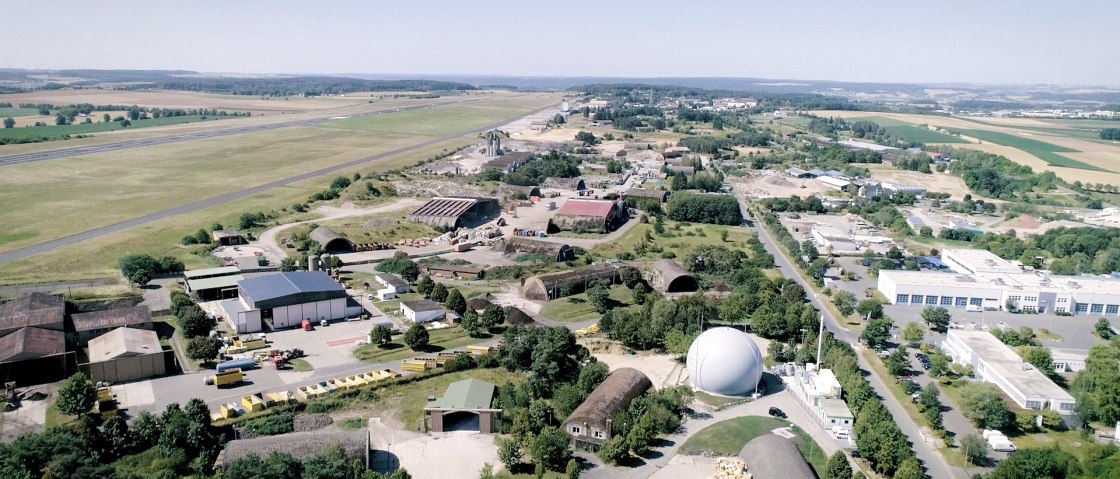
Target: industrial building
[[286, 299], [32, 341], [213, 283], [228, 238], [331, 242], [995, 362], [820, 394], [550, 286], [128, 354], [422, 311], [455, 212], [889, 189], [725, 362], [33, 310], [590, 424], [660, 195], [509, 162], [981, 279], [90, 325], [771, 456], [467, 405], [799, 173], [588, 214], [558, 252], [831, 239], [667, 276], [834, 183]]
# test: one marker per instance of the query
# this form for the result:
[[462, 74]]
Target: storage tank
[[313, 263], [242, 364], [325, 262], [725, 362]]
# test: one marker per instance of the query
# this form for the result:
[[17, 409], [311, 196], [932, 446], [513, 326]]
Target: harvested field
[[772, 184], [936, 182]]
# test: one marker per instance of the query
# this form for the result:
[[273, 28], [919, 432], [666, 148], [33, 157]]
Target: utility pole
[[820, 342]]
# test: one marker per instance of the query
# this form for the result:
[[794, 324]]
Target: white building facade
[[981, 279], [996, 363]]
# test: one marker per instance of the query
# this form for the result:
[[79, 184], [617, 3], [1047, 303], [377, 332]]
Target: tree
[[492, 316], [566, 399], [9, 122], [736, 308], [439, 293], [425, 286], [909, 469], [930, 397], [912, 332], [552, 448], [838, 467], [509, 452], [630, 276], [471, 324], [76, 395], [194, 321], [809, 250], [898, 362], [614, 451], [381, 334], [202, 348], [974, 449], [572, 471], [140, 278], [894, 253], [640, 293], [599, 295], [106, 118], [288, 264], [845, 302], [1040, 358], [877, 332], [146, 428], [870, 308], [679, 182], [1051, 463], [119, 438], [455, 301], [416, 337], [1103, 329], [591, 375], [936, 317], [983, 404]]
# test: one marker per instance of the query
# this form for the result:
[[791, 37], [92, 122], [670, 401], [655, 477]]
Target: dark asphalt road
[[198, 205], [163, 140]]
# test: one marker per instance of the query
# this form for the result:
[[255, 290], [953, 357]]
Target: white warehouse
[[982, 279], [996, 363], [286, 299]]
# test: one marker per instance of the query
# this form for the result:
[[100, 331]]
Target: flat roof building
[[995, 362], [834, 183], [833, 239]]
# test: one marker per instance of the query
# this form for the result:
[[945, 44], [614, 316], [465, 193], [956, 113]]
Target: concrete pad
[[443, 455], [134, 394], [661, 369], [30, 417], [325, 346], [687, 467]]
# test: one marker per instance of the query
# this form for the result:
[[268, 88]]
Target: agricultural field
[[17, 111], [188, 99], [52, 130], [1069, 155], [46, 201], [921, 134]]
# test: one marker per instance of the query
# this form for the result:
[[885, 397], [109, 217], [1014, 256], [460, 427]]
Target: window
[[931, 300], [1063, 300], [1096, 309], [1066, 406], [946, 300], [902, 299], [599, 435], [976, 301], [577, 430], [1030, 298], [1081, 308], [916, 299], [1015, 298], [962, 302], [1034, 405], [1112, 308]]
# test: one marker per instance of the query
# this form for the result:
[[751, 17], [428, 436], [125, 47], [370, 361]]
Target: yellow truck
[[227, 378], [243, 344]]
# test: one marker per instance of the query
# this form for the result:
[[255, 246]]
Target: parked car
[[776, 412]]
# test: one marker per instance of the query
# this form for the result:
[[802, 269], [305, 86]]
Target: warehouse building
[[660, 195], [33, 310], [128, 354], [228, 238], [588, 214], [90, 325], [570, 184], [590, 424], [212, 284], [285, 299], [551, 286], [467, 405], [32, 341], [422, 311], [455, 212], [523, 245], [331, 242], [831, 239], [982, 280], [996, 363], [833, 182], [509, 162]]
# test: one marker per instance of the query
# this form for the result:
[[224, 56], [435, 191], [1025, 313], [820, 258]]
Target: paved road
[[163, 140], [935, 463], [228, 197]]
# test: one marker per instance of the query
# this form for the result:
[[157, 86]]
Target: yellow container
[[252, 403], [280, 398], [478, 350], [415, 366]]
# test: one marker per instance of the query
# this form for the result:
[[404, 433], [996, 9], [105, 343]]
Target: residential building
[[995, 362]]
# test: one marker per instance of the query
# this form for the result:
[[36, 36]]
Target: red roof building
[[587, 214]]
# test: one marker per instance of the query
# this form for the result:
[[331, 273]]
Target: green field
[[52, 131], [439, 340], [728, 437], [679, 239], [8, 112], [577, 308], [921, 134], [430, 121], [1047, 152], [1079, 129]]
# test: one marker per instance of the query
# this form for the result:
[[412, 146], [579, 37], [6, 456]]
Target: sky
[[909, 41]]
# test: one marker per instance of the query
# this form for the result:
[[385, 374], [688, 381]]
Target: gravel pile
[[311, 422]]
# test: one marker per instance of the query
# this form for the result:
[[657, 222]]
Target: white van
[[841, 432], [972, 308]]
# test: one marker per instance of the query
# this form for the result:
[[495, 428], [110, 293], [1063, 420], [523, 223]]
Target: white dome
[[724, 361]]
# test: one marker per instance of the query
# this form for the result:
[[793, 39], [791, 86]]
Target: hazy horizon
[[1028, 42]]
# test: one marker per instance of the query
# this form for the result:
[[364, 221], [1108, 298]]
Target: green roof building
[[466, 405]]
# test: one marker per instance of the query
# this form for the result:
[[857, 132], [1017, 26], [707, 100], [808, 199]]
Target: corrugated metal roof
[[466, 394], [272, 286], [111, 318], [214, 283], [31, 343], [223, 271], [123, 342], [582, 207], [449, 207], [33, 309], [422, 305]]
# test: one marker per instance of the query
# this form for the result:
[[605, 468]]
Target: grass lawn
[[574, 309], [712, 400], [678, 239], [439, 340], [436, 121], [1047, 335], [1047, 152], [353, 423], [56, 418], [409, 399], [52, 130], [355, 228], [1069, 441], [17, 111], [300, 366], [728, 437]]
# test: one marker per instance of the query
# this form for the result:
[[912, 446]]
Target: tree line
[[302, 85], [712, 208]]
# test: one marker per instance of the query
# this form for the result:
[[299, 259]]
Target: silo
[[312, 263]]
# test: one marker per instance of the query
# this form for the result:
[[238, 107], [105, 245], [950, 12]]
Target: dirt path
[[275, 252]]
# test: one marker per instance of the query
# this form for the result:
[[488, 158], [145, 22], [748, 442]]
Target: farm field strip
[[1047, 152]]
